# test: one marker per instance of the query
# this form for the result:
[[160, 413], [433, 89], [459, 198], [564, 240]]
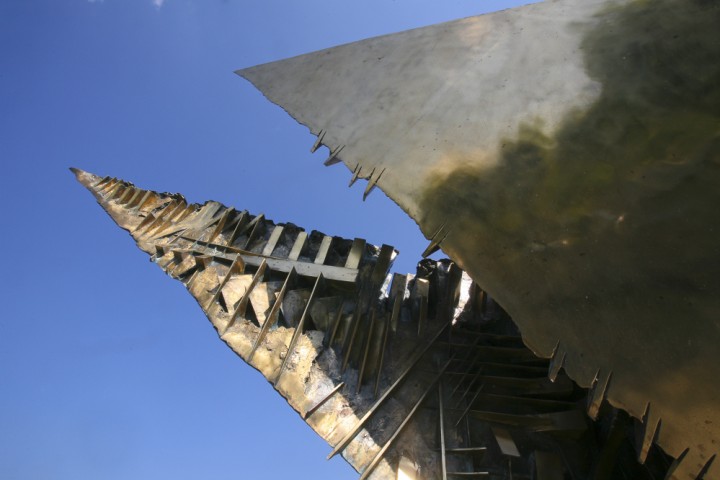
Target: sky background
[[108, 368]]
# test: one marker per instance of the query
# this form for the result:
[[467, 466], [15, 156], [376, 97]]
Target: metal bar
[[397, 292], [356, 253], [240, 222], [273, 315], [272, 242], [105, 185], [299, 329], [336, 325], [238, 266], [469, 474], [442, 431], [129, 192], [355, 324], [258, 225], [300, 241], [135, 198], [438, 237], [221, 224], [411, 364], [379, 456], [597, 394], [324, 400], [324, 249], [557, 362], [386, 334], [241, 306], [423, 287], [100, 182], [384, 261], [305, 269], [165, 215], [466, 450], [145, 222], [144, 200], [333, 158], [367, 350], [470, 404], [109, 194]]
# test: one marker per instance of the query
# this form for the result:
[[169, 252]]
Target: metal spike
[[336, 324], [274, 313], [597, 394], [345, 441], [676, 464], [356, 175], [650, 433], [383, 347], [318, 142], [237, 267], [706, 468], [372, 182], [221, 224], [272, 242], [379, 456], [258, 227], [368, 343], [240, 221], [438, 237], [422, 287], [557, 362], [242, 304], [397, 294], [333, 158], [301, 324], [323, 401]]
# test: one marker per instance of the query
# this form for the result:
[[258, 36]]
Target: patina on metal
[[366, 362], [566, 154]]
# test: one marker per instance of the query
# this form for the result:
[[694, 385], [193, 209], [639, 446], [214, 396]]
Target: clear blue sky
[[108, 368]]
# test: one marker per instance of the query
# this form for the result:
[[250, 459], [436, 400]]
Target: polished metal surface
[[567, 155]]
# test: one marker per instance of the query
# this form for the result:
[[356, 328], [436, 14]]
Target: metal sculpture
[[566, 155]]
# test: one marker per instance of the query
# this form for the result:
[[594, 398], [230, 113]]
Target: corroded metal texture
[[418, 375], [566, 154]]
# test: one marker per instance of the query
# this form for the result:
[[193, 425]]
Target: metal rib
[[411, 364], [299, 329], [379, 456], [324, 400], [243, 302], [273, 315]]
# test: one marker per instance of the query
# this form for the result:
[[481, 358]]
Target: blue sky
[[108, 368]]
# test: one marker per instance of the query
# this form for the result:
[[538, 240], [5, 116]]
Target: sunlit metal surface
[[567, 155]]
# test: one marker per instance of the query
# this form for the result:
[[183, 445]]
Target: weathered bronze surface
[[424, 376], [567, 155]]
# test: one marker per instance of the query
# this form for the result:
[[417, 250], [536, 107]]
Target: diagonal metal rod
[[379, 456], [442, 430], [368, 343], [238, 266], [241, 305], [273, 315], [299, 329], [324, 400], [411, 364], [382, 355]]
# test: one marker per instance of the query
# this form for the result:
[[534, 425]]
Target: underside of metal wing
[[566, 155]]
